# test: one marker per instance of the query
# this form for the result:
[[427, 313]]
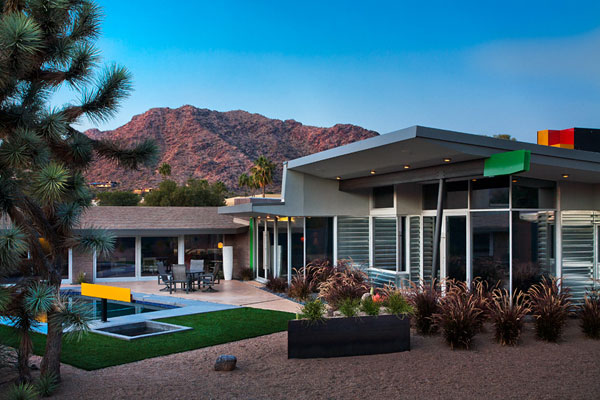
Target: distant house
[[421, 203]]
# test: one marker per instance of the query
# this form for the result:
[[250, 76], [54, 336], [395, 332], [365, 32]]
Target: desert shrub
[[22, 391], [349, 307], [508, 316], [370, 306], [277, 285], [81, 278], [246, 274], [458, 318], [300, 288], [482, 296], [589, 314], [318, 271], [395, 303], [313, 311], [424, 298], [47, 384], [345, 282], [550, 307]]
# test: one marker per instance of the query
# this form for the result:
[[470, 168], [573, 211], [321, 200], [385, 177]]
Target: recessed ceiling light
[[515, 181], [338, 177], [447, 159], [372, 172], [406, 166], [474, 180], [565, 176]]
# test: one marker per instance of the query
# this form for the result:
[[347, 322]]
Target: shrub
[[589, 314], [550, 307], [481, 296], [344, 283], [81, 278], [300, 289], [319, 271], [370, 306], [508, 316], [458, 318], [313, 311], [425, 300], [47, 384], [277, 285], [395, 303], [349, 307], [22, 391], [246, 274]]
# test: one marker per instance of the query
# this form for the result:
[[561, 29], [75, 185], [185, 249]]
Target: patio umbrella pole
[[104, 310]]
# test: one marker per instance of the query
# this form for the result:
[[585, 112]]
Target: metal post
[[438, 228], [104, 310]]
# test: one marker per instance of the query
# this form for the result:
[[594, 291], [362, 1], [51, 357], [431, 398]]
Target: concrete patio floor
[[238, 293]]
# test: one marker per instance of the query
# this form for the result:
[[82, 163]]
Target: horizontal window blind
[[384, 242], [353, 240]]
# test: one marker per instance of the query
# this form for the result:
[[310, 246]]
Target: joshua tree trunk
[[23, 359], [51, 361]]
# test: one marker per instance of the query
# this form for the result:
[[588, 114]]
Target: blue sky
[[475, 66]]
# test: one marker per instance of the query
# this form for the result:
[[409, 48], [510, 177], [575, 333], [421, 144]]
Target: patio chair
[[196, 265], [180, 276], [164, 278], [216, 274]]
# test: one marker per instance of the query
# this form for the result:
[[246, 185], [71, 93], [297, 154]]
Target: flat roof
[[421, 147]]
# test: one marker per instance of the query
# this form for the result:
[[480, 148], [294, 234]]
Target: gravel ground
[[569, 370]]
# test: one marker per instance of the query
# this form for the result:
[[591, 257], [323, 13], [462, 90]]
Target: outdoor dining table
[[197, 276]]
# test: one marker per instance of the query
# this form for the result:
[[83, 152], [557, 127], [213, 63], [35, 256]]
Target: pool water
[[117, 308]]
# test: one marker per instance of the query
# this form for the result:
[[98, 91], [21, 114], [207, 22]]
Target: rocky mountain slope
[[217, 146]]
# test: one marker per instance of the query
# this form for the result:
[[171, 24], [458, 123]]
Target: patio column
[[438, 228], [181, 249]]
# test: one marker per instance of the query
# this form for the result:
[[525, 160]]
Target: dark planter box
[[339, 337]]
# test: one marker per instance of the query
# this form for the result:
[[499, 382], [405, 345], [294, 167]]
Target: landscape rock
[[225, 363]]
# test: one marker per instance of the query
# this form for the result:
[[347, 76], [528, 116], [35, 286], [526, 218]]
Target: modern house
[[147, 235], [423, 202]]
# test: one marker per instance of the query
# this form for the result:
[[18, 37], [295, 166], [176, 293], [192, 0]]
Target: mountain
[[217, 146]]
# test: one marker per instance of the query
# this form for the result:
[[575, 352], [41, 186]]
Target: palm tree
[[262, 173], [45, 46], [164, 170], [246, 181]]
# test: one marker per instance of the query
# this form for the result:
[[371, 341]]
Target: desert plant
[[395, 303], [344, 283], [313, 311], [424, 297], [46, 384], [277, 285], [300, 288], [550, 307], [507, 316], [81, 278], [349, 307], [370, 306], [246, 274], [481, 296], [22, 391], [458, 318], [589, 314]]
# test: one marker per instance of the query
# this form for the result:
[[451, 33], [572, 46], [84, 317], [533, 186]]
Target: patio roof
[[421, 147]]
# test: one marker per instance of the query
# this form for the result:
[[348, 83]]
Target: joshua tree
[[45, 46], [164, 170], [262, 173]]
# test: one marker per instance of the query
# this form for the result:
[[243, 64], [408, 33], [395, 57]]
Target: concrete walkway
[[237, 293]]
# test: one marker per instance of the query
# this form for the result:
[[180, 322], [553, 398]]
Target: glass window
[[156, 249], [383, 197], [319, 239], [297, 228], [533, 193], [119, 263], [203, 247], [282, 247], [490, 193], [353, 240], [456, 195], [384, 242], [491, 247], [428, 239], [533, 248]]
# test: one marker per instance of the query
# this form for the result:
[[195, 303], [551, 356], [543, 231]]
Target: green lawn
[[98, 351]]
